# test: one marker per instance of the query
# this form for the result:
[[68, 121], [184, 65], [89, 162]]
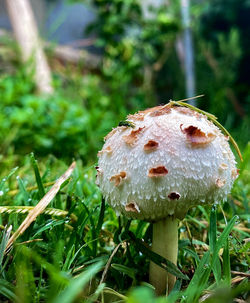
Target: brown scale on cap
[[107, 150], [133, 136], [220, 182], [196, 137], [162, 111], [150, 110], [110, 134], [187, 111], [159, 171], [174, 196], [151, 146], [113, 131], [136, 117], [166, 109], [133, 207], [223, 166], [157, 110], [235, 173], [99, 171], [118, 178]]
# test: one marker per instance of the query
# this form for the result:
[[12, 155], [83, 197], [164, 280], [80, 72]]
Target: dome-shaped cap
[[163, 161]]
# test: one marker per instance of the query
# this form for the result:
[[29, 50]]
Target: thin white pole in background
[[25, 29], [188, 51]]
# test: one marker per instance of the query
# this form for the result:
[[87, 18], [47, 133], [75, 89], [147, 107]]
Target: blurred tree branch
[[65, 53], [72, 55]]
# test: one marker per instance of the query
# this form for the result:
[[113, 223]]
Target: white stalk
[[165, 243]]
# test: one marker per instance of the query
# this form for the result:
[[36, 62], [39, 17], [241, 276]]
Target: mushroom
[[173, 158]]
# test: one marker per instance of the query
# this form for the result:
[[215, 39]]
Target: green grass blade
[[76, 285], [5, 239], [49, 225], [94, 297], [131, 272], [93, 229], [157, 259], [39, 286], [141, 295], [41, 191], [223, 237], [140, 230], [101, 218], [23, 191], [212, 235], [217, 270], [200, 278], [197, 284], [111, 291], [53, 272], [25, 283], [7, 290], [74, 255], [70, 255], [192, 253], [2, 182], [176, 292], [226, 265]]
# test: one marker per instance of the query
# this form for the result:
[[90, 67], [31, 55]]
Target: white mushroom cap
[[172, 159]]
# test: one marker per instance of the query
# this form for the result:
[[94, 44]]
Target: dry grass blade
[[187, 99], [240, 301], [39, 208], [108, 263], [244, 274], [28, 209], [237, 279], [111, 291], [16, 191], [30, 241]]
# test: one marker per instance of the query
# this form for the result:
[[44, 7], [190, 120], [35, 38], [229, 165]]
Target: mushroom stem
[[165, 243]]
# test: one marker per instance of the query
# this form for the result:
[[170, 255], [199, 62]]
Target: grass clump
[[86, 254]]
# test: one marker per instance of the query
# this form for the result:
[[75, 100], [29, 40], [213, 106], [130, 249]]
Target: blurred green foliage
[[222, 60], [83, 109], [140, 67], [136, 47], [63, 124]]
